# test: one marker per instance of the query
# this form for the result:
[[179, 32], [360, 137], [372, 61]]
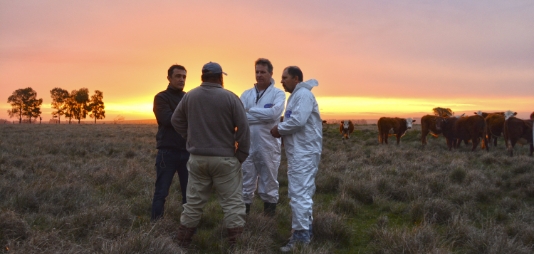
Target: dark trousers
[[169, 162]]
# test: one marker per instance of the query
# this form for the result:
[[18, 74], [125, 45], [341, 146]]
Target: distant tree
[[442, 112], [34, 109], [24, 102], [59, 102], [96, 107], [80, 103], [70, 106], [118, 119]]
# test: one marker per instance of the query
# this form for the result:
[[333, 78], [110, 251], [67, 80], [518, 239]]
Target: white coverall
[[263, 113], [303, 139]]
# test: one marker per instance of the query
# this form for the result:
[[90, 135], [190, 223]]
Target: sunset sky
[[371, 58]]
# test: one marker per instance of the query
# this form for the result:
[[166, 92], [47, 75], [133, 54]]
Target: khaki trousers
[[222, 174]]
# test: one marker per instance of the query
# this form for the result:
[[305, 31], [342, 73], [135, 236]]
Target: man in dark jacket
[[172, 155]]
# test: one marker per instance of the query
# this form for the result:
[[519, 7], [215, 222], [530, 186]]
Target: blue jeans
[[168, 162]]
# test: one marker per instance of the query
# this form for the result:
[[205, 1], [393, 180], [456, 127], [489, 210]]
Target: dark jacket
[[165, 103]]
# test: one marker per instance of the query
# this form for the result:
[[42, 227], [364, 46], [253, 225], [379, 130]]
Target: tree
[[24, 102], [70, 106], [118, 119], [96, 107], [59, 102], [34, 109], [78, 104], [443, 112]]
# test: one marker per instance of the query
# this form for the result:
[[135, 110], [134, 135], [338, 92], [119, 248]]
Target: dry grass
[[88, 189]]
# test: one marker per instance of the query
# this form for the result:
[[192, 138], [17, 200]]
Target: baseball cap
[[212, 67]]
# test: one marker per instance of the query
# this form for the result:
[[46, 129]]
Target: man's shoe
[[299, 237], [247, 208], [185, 236], [269, 209], [234, 234]]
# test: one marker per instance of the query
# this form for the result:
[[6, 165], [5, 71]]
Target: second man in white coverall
[[303, 140], [264, 104]]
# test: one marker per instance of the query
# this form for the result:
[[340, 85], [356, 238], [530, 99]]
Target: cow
[[325, 125], [517, 130], [494, 125], [485, 114], [428, 125], [398, 126], [462, 128], [346, 128]]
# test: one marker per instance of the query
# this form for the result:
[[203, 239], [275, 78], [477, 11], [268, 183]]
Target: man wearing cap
[[303, 139], [214, 123], [264, 104], [172, 156]]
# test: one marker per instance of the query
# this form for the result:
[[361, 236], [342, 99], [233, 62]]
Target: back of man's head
[[294, 71]]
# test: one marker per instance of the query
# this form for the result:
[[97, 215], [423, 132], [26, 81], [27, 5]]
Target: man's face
[[177, 80], [288, 82], [263, 76]]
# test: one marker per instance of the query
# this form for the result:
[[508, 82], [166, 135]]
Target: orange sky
[[372, 59]]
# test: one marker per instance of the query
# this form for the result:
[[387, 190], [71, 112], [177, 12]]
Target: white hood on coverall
[[264, 154], [303, 140]]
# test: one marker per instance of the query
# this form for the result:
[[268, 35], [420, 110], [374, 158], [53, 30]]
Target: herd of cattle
[[480, 128]]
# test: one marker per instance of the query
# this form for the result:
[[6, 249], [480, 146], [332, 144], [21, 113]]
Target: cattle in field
[[494, 125], [485, 114], [428, 125], [397, 126], [325, 125], [464, 128], [517, 131], [346, 127]]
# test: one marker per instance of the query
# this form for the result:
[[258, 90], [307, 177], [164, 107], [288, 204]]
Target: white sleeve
[[265, 115], [303, 106]]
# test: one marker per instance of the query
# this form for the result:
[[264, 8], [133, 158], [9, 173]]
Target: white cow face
[[345, 124], [509, 114], [479, 113], [409, 122]]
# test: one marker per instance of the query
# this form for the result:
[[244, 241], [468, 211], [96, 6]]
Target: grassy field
[[88, 189]]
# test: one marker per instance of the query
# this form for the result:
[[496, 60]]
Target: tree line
[[77, 104]]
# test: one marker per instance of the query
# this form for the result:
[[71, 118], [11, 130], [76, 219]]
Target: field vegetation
[[88, 189]]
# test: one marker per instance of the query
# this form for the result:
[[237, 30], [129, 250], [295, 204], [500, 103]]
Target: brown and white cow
[[517, 131], [346, 128], [494, 125], [397, 126], [463, 128], [485, 114]]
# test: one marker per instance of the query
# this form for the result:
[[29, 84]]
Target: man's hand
[[275, 133]]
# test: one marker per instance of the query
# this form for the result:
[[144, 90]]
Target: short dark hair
[[295, 71], [211, 77], [171, 69], [266, 62]]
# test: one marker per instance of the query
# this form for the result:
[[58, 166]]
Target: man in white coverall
[[303, 139], [264, 104]]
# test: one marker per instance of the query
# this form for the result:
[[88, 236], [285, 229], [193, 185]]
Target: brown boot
[[233, 234], [185, 236]]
